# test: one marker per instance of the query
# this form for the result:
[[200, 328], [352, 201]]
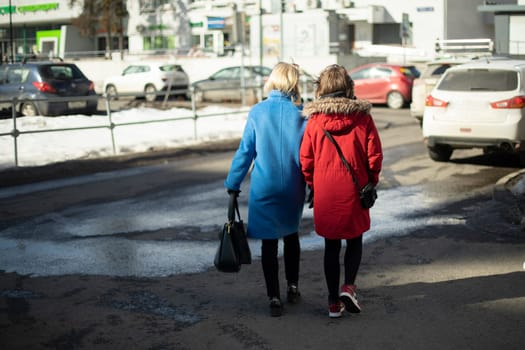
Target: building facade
[[282, 29], [30, 27]]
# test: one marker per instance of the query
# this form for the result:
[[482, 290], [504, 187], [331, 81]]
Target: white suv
[[477, 105], [149, 79], [423, 85]]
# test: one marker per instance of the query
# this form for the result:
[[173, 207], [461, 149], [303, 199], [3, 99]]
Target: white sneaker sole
[[350, 302], [336, 314]]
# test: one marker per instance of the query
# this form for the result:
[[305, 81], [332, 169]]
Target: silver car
[[225, 84]]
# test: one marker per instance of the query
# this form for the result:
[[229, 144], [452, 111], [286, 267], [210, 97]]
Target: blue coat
[[271, 140]]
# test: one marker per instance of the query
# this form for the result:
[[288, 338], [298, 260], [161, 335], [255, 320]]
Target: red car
[[384, 83]]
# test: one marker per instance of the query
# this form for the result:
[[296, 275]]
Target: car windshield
[[171, 68], [135, 69], [372, 73], [227, 73], [479, 80], [262, 70], [410, 71], [435, 70], [60, 72]]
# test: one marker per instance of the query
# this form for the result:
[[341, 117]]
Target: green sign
[[4, 10]]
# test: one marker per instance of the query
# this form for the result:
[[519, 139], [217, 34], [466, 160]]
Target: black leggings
[[332, 248], [270, 264]]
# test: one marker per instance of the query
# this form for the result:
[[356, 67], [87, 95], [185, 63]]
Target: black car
[[46, 88]]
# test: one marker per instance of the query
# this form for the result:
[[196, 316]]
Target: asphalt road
[[455, 282]]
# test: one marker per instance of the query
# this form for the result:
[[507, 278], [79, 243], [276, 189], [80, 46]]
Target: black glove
[[233, 192]]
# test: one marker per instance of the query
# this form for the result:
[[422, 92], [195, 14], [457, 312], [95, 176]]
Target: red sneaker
[[335, 310], [349, 298]]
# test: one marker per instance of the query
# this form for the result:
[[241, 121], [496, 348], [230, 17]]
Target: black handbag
[[367, 194], [233, 247]]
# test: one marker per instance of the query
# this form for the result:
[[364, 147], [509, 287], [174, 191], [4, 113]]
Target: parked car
[[383, 83], [423, 85], [148, 80], [480, 104], [47, 88], [225, 84]]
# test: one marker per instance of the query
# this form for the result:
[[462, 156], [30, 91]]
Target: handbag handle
[[233, 207], [343, 159]]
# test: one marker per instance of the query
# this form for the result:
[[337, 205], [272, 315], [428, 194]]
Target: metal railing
[[110, 125], [464, 46]]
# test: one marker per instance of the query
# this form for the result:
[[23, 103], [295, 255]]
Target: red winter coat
[[337, 211]]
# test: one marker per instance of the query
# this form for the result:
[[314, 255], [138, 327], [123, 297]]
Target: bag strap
[[233, 207], [343, 159]]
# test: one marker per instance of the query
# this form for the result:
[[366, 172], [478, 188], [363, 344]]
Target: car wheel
[[395, 100], [28, 109], [440, 153], [150, 93], [111, 91]]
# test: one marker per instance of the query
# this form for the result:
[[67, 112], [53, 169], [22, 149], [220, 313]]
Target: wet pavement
[[443, 282]]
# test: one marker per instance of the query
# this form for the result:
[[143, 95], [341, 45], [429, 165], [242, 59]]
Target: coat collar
[[336, 105], [277, 93]]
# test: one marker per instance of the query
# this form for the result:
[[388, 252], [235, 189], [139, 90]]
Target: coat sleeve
[[242, 159], [374, 153], [306, 156]]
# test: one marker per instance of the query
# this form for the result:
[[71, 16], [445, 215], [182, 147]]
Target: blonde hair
[[334, 80], [285, 78]]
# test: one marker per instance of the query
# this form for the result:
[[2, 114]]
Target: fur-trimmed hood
[[336, 105], [337, 113]]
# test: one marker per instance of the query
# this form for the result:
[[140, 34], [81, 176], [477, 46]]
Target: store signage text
[[4, 10]]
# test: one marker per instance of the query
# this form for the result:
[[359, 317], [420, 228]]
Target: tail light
[[431, 101], [44, 87], [91, 86], [515, 102]]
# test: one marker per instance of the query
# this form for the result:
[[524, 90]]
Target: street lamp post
[[261, 45], [11, 32]]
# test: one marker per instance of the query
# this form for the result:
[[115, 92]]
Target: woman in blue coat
[[271, 141]]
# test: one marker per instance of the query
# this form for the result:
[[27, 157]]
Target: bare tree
[[107, 14]]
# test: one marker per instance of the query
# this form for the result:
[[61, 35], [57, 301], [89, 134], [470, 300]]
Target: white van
[[480, 104]]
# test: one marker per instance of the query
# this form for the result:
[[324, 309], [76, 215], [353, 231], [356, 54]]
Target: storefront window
[[147, 43], [208, 41], [158, 42], [195, 40], [170, 42]]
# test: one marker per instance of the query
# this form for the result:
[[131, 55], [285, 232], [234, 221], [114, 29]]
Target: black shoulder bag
[[233, 249], [368, 193]]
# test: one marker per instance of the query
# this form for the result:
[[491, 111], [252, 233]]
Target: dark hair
[[334, 81]]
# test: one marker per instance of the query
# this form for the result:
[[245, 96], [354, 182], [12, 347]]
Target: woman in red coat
[[338, 213]]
